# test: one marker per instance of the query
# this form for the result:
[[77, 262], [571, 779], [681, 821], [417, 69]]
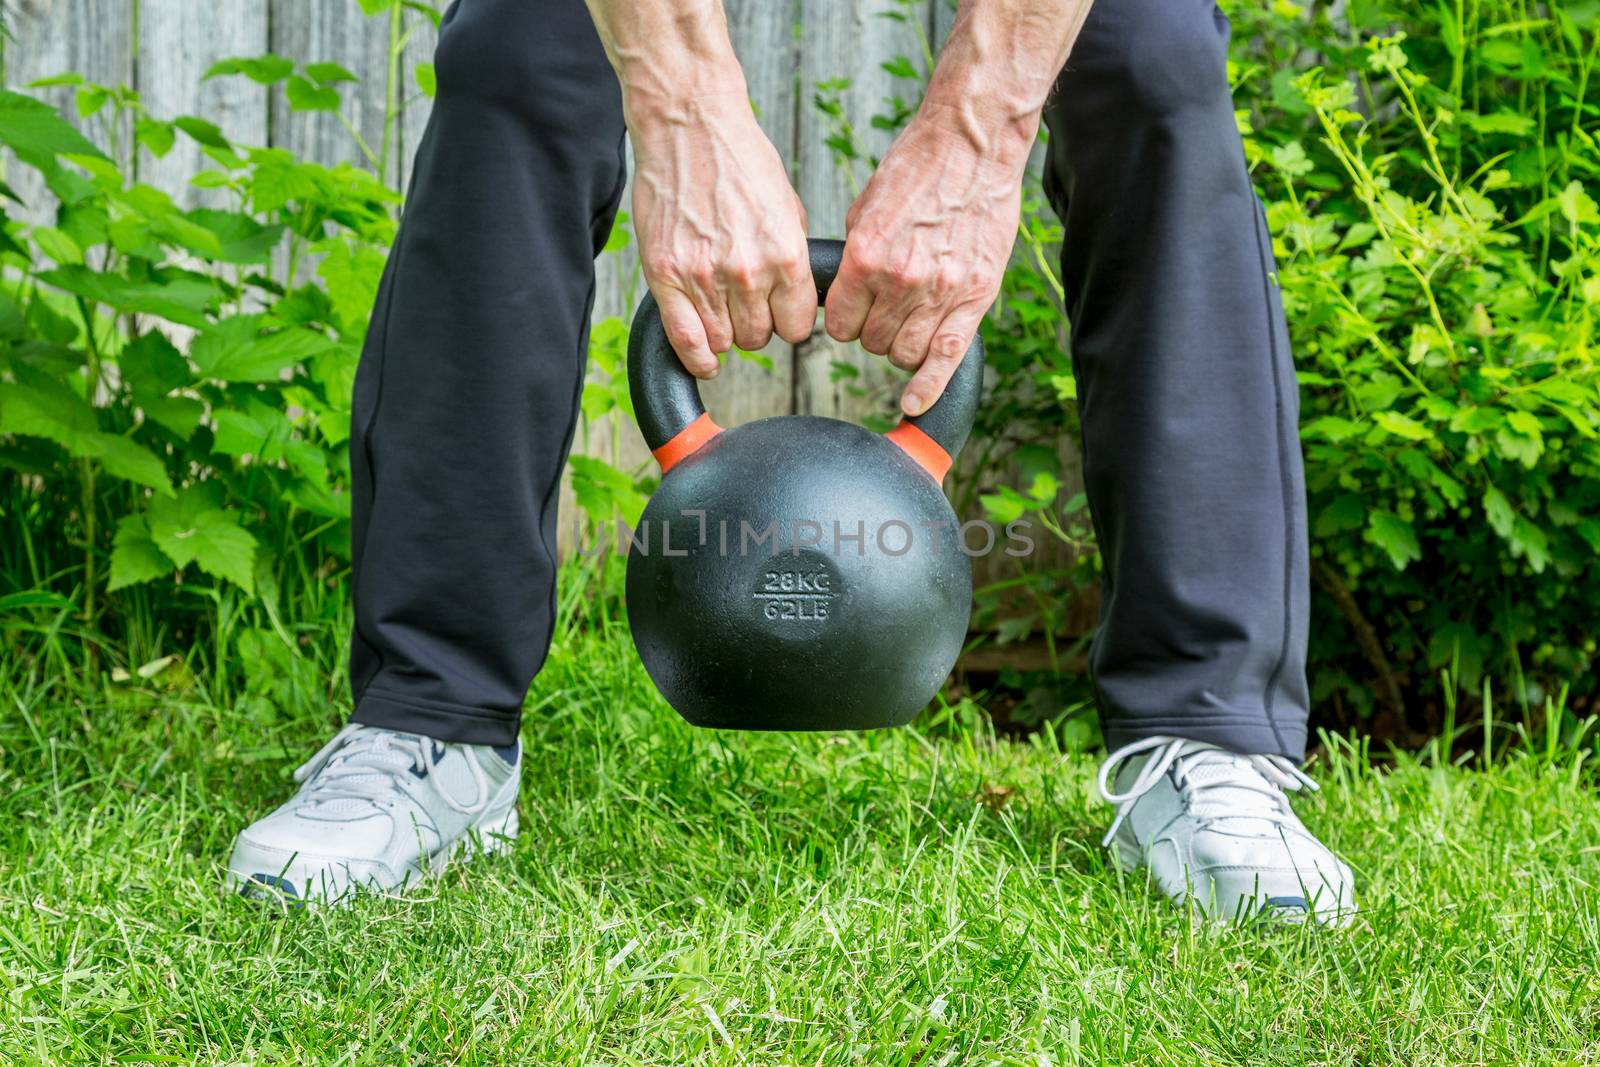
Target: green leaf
[[240, 239], [1044, 487], [203, 131], [181, 297], [900, 67], [1506, 122], [1347, 512], [57, 245], [600, 487], [237, 349], [1519, 447], [260, 433], [377, 7], [151, 365], [1577, 206], [34, 130], [304, 95], [155, 135], [329, 73], [90, 100], [35, 598], [598, 400], [1497, 509], [135, 557], [427, 80], [52, 411], [12, 324], [179, 414], [1005, 506], [1331, 428], [1395, 536], [1476, 420], [191, 528], [126, 458], [1530, 542], [350, 271], [1525, 423], [1402, 426], [263, 69], [1291, 160]]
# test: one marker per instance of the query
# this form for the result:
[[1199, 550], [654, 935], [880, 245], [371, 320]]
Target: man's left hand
[[926, 247]]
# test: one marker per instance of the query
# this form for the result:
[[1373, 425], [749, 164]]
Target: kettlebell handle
[[666, 397]]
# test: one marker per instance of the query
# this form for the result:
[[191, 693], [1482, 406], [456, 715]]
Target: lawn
[[925, 896]]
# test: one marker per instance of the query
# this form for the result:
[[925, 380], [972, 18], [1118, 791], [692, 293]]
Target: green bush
[[175, 384], [1425, 170]]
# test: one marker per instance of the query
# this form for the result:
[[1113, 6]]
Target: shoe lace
[[1255, 784], [364, 763]]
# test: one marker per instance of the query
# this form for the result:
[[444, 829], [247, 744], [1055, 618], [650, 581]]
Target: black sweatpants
[[467, 394]]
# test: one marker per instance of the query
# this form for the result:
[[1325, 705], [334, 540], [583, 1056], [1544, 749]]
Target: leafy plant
[[175, 382], [1425, 172]]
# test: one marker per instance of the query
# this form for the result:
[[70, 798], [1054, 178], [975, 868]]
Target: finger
[[849, 300], [752, 318], [794, 306], [945, 351], [686, 333], [712, 307], [883, 325], [911, 342]]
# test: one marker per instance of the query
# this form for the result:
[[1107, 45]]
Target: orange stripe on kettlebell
[[687, 440], [922, 448]]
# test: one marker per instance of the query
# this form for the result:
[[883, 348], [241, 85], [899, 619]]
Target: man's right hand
[[722, 234]]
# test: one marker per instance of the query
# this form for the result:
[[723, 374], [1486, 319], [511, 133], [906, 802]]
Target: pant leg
[[1185, 387], [467, 391]]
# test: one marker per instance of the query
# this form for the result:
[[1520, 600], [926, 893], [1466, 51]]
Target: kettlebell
[[797, 572]]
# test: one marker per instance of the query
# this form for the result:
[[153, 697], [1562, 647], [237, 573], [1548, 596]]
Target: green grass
[[680, 896]]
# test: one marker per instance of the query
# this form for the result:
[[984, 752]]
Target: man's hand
[[722, 235], [926, 246], [927, 241]]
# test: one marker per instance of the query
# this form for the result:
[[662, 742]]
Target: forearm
[[996, 70], [672, 57]]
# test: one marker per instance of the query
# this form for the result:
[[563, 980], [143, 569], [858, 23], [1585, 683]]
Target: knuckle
[[796, 272], [740, 274], [868, 264], [905, 358], [947, 348], [682, 337], [903, 276], [702, 274]]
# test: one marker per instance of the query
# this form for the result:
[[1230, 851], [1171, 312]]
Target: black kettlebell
[[798, 572]]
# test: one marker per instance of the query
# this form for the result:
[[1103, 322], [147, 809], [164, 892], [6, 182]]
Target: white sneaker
[[378, 810], [1216, 830]]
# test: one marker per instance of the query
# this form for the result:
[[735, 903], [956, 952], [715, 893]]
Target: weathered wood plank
[[49, 37], [178, 42], [334, 31], [846, 40]]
